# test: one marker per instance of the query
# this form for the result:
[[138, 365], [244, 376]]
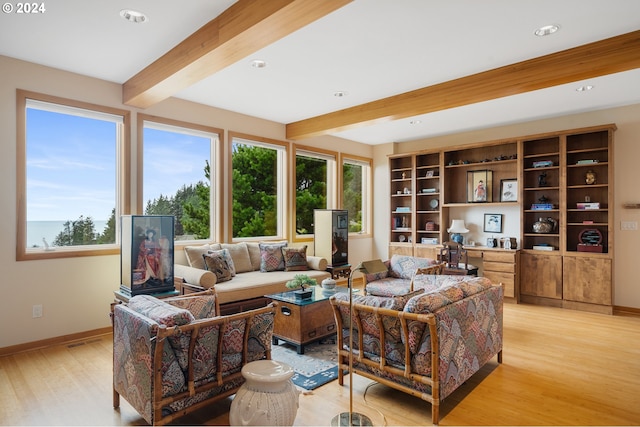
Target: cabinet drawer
[[497, 256], [508, 282], [499, 267]]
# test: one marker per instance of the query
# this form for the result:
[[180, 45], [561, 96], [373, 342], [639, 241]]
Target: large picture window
[[315, 187], [258, 190], [180, 175], [69, 176], [356, 178]]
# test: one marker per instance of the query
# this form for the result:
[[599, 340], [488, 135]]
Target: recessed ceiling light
[[584, 88], [258, 63], [133, 16], [546, 30], [340, 94]]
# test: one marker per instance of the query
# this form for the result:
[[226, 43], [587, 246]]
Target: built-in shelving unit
[[563, 178]]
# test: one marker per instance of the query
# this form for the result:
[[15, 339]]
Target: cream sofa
[[245, 290]]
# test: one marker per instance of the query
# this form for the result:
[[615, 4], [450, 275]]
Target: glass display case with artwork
[[146, 254]]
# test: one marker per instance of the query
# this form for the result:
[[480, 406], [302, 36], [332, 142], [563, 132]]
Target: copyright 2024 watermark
[[23, 8]]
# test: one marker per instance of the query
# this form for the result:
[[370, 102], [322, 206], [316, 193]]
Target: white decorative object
[[267, 398], [329, 285]]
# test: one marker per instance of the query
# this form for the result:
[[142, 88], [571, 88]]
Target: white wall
[[626, 180], [76, 292]]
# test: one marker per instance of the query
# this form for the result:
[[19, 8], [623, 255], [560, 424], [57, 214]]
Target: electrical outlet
[[628, 225], [37, 311]]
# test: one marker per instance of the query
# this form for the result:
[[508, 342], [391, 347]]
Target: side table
[[338, 271]]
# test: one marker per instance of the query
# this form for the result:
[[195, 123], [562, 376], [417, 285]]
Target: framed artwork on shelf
[[492, 223], [479, 186], [509, 190]]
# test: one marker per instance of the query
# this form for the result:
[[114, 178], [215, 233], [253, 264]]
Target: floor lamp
[[355, 418]]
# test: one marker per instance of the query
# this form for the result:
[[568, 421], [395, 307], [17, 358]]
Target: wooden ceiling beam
[[246, 27], [613, 55]]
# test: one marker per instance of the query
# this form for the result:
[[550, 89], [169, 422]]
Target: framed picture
[[429, 174], [479, 186], [492, 223], [509, 190]]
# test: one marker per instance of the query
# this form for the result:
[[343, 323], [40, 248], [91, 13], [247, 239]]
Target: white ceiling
[[371, 49]]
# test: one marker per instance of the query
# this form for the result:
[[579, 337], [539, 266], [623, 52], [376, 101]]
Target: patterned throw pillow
[[159, 311], [217, 264], [226, 254], [295, 259], [271, 258]]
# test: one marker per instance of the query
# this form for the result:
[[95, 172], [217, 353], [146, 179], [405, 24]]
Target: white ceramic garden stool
[[267, 398]]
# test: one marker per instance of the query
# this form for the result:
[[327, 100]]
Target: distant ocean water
[[36, 230]]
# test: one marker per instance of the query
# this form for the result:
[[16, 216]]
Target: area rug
[[317, 366]]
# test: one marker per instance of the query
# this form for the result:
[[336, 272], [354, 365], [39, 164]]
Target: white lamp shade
[[457, 226]]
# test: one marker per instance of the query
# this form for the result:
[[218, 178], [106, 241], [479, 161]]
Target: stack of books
[[586, 162], [543, 247], [541, 206], [592, 205], [542, 164]]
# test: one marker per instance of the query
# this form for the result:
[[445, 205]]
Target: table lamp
[[354, 418], [457, 229]]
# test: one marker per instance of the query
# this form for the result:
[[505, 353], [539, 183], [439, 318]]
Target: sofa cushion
[[195, 276], [316, 263], [194, 254], [227, 257], [254, 255], [216, 263], [295, 259], [159, 311], [271, 256], [255, 284], [404, 266], [240, 255], [388, 287]]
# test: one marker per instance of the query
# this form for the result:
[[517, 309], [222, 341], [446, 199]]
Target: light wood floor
[[561, 367]]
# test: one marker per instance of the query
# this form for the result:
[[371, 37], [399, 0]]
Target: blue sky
[[71, 169]]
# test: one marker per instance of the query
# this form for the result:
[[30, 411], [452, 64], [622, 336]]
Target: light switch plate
[[628, 225]]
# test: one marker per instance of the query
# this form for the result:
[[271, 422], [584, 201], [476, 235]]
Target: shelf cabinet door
[[541, 275], [587, 279]]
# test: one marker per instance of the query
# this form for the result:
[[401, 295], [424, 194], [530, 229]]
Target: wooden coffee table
[[301, 322]]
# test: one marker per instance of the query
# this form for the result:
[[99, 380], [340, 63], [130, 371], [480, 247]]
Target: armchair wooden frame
[[432, 381], [162, 332]]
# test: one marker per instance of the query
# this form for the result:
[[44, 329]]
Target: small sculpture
[[542, 179], [590, 177]]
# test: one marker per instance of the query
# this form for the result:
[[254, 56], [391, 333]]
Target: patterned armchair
[[425, 343], [398, 279], [173, 356]]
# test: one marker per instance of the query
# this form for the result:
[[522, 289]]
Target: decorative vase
[[267, 398], [328, 285], [545, 225], [457, 237]]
